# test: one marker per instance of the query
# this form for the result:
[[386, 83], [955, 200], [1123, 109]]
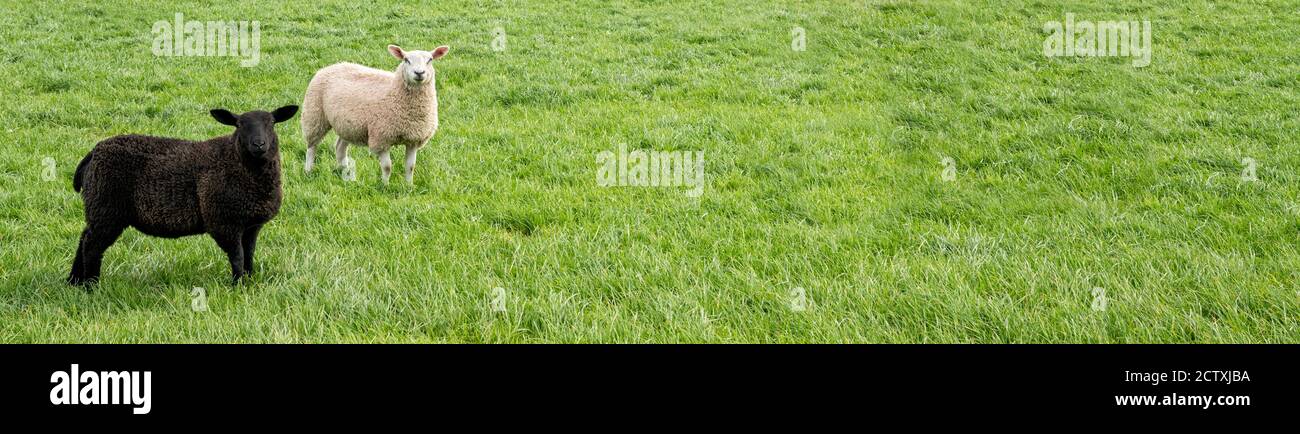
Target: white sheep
[[373, 108]]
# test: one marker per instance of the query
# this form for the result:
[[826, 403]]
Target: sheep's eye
[[430, 61]]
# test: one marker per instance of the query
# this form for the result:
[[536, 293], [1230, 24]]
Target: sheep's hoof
[[81, 281]]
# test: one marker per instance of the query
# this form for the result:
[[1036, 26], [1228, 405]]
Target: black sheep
[[227, 187]]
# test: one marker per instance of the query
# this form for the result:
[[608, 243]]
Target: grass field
[[1089, 200]]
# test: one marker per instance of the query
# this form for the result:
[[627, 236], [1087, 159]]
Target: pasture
[[875, 171]]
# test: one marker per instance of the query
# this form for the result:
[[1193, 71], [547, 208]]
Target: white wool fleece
[[374, 108]]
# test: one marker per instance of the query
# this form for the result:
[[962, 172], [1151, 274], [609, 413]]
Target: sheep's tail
[[78, 179]]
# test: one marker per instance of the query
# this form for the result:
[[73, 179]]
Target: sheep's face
[[255, 131], [417, 66]]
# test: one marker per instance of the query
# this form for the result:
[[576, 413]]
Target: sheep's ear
[[284, 113], [397, 51], [225, 116], [440, 51]]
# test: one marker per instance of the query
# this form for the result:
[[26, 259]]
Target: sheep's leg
[[341, 152], [231, 241], [250, 244], [97, 240], [312, 132], [310, 160], [410, 164], [312, 141], [385, 164], [74, 278]]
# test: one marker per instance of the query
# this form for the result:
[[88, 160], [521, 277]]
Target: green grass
[[823, 173]]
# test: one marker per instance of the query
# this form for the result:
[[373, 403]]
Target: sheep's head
[[255, 130], [417, 66]]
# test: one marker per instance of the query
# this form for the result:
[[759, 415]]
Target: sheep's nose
[[261, 146], [419, 74]]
